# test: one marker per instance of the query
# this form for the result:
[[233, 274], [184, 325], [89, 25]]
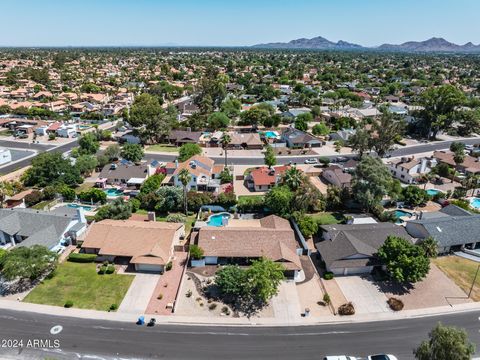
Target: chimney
[[151, 216]]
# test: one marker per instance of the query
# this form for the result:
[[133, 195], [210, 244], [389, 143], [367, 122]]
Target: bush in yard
[[93, 196], [160, 296], [176, 218], [52, 136], [225, 310], [110, 269], [82, 258], [326, 299], [169, 266], [395, 304], [346, 309], [307, 225], [328, 275], [188, 150], [68, 304], [33, 198], [196, 252], [102, 270], [67, 193], [212, 306], [113, 307], [188, 293]]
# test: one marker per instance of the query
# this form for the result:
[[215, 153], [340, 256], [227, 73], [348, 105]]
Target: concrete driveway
[[139, 294], [363, 293], [286, 305]]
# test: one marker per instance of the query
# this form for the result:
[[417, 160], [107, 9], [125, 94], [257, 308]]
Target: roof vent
[[439, 230], [113, 166], [213, 237]]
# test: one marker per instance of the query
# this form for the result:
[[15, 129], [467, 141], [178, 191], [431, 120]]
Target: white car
[[340, 357], [381, 357], [311, 161]]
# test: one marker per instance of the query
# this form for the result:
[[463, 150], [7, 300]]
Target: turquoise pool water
[[401, 213], [113, 192], [433, 192], [475, 203], [76, 206], [270, 134], [217, 219]]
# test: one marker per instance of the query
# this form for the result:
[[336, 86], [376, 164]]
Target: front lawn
[[162, 148], [461, 271], [80, 283], [249, 198], [328, 218]]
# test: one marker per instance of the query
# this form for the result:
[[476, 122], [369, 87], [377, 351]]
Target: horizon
[[149, 23]]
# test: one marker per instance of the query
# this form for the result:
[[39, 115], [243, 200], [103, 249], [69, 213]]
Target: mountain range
[[320, 43]]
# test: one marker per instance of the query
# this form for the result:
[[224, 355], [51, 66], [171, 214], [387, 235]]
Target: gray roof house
[[452, 227], [351, 249], [299, 139], [124, 173], [28, 227]]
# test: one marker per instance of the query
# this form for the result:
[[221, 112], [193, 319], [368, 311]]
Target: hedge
[[82, 258]]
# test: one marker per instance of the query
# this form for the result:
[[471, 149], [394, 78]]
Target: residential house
[[470, 165], [28, 227], [204, 174], [452, 227], [247, 141], [124, 174], [298, 139], [264, 178], [271, 237], [18, 200], [335, 175], [351, 249], [148, 246], [408, 170], [180, 137]]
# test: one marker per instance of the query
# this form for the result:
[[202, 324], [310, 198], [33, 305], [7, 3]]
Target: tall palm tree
[[293, 178], [226, 139], [470, 182], [458, 155], [184, 177]]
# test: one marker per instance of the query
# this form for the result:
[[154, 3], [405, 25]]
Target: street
[[83, 338]]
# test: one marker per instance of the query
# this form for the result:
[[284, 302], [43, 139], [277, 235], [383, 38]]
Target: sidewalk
[[193, 320]]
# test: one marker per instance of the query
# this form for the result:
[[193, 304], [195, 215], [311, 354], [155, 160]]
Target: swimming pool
[[218, 219], [401, 213], [433, 192], [113, 192], [271, 134], [76, 206], [475, 203]]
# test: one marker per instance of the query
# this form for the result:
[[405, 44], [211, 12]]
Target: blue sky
[[233, 22]]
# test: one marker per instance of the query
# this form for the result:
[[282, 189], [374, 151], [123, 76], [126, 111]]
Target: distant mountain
[[431, 45], [314, 43]]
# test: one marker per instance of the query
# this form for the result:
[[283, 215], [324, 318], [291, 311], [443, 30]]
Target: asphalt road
[[87, 339]]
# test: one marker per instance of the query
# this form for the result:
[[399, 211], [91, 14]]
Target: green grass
[[245, 198], [163, 148], [81, 284], [83, 187], [461, 271], [6, 133], [328, 218], [41, 204]]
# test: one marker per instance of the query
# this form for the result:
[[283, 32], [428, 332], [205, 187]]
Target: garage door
[[149, 268]]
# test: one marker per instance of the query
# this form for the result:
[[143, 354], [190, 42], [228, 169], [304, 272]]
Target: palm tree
[[184, 177], [225, 141], [470, 182], [293, 178], [458, 155]]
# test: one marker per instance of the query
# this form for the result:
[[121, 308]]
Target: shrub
[[113, 307], [110, 269], [169, 266], [328, 275], [326, 299], [196, 252], [346, 309], [102, 270], [52, 136], [212, 306], [33, 198], [176, 218], [188, 293], [82, 258], [395, 304], [160, 296], [68, 304], [93, 195], [225, 310]]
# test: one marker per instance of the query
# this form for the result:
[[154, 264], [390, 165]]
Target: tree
[[385, 132], [102, 160], [231, 281], [28, 262], [231, 107], [9, 188], [360, 141], [188, 150], [218, 120], [149, 118], [196, 252], [50, 168], [152, 184], [225, 141], [405, 262], [112, 151], [279, 199], [414, 196], [93, 195], [269, 158], [371, 182], [118, 209], [307, 225], [184, 177], [263, 278], [430, 247], [445, 343], [293, 178], [302, 120], [88, 144], [132, 152], [320, 129], [458, 150], [169, 199], [86, 164]]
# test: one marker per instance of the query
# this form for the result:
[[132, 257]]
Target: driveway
[[363, 293], [139, 294], [286, 305]]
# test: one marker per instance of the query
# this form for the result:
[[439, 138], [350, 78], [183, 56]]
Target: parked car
[[340, 357], [151, 322], [381, 357], [21, 135], [311, 161], [341, 159]]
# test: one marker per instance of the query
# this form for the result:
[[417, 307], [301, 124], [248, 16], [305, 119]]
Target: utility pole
[[474, 280]]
